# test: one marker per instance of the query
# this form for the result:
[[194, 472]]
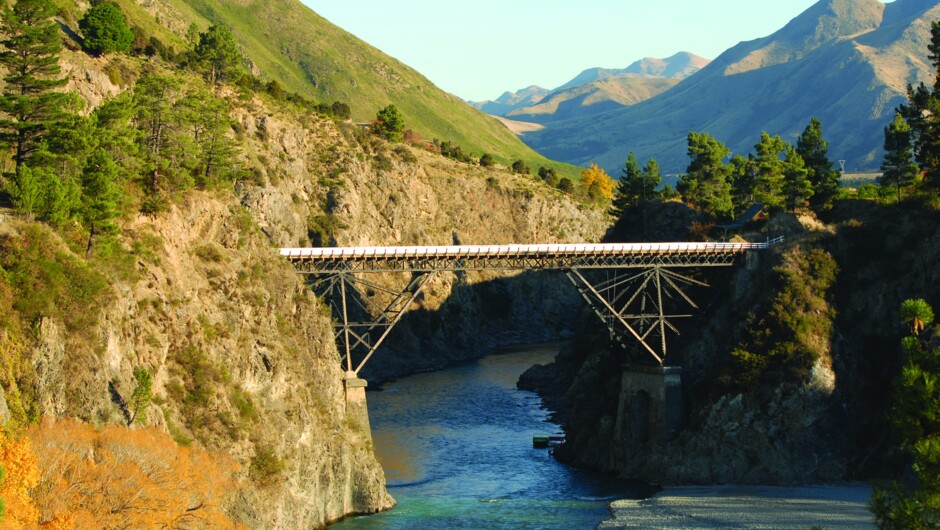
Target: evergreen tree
[[922, 113], [549, 175], [768, 170], [742, 182], [626, 194], [31, 59], [207, 117], [824, 179], [706, 183], [389, 124], [652, 178], [39, 192], [916, 418], [217, 53], [105, 29], [99, 204], [898, 166], [635, 185], [167, 149], [796, 185]]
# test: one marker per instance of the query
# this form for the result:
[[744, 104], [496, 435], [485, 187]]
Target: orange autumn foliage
[[597, 182], [118, 477], [21, 473]]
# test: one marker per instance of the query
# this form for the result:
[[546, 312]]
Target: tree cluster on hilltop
[[170, 132], [777, 175], [912, 139]]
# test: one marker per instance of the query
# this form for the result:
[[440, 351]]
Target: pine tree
[[796, 185], [915, 415], [706, 183], [651, 179], [768, 170], [742, 182], [390, 124], [825, 180], [922, 113], [208, 121], [156, 118], [217, 53], [626, 194], [99, 206], [898, 166], [31, 59]]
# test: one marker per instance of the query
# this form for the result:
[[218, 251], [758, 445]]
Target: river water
[[457, 450]]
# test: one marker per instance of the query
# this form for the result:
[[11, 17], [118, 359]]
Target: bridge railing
[[519, 251]]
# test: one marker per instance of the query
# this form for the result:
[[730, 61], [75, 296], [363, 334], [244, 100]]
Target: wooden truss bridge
[[639, 297]]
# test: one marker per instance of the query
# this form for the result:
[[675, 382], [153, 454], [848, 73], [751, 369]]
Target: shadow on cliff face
[[533, 306]]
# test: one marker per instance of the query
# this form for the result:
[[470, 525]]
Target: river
[[457, 450]]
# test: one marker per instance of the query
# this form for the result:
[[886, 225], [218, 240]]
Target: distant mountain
[[679, 66], [510, 101], [845, 61], [590, 99], [599, 89]]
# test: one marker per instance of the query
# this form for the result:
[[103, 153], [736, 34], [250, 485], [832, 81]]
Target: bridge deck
[[507, 257]]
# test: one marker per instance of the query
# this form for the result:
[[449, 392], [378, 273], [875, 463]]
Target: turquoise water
[[457, 450]]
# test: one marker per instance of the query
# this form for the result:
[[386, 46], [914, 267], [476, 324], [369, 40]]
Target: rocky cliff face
[[242, 358], [241, 351]]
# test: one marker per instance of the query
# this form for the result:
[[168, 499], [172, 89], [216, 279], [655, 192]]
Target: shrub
[[127, 478], [792, 332], [487, 160], [265, 466], [389, 124], [405, 154], [105, 30]]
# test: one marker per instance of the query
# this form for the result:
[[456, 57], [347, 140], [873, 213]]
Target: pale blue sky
[[477, 49]]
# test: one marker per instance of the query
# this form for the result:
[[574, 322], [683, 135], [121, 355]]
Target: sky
[[478, 49]]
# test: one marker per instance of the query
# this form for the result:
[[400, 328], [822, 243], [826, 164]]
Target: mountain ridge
[[606, 84], [766, 84]]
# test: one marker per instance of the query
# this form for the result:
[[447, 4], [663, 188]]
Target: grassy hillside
[[288, 42]]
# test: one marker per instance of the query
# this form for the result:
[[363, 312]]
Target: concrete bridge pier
[[651, 408], [356, 410]]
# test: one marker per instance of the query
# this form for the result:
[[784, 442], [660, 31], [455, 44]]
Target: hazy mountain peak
[[509, 100], [529, 93], [678, 66]]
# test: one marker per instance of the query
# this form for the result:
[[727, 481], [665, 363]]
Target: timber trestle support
[[635, 289]]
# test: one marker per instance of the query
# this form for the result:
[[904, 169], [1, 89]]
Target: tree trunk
[[91, 235]]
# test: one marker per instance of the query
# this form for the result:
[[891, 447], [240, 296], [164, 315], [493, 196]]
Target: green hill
[[287, 42]]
